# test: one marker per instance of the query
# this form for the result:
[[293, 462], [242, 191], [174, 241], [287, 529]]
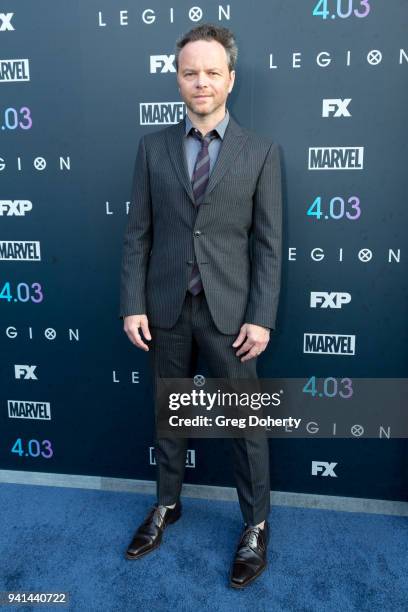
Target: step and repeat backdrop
[[80, 83]]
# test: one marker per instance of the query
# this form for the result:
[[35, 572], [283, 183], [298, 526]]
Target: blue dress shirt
[[192, 145]]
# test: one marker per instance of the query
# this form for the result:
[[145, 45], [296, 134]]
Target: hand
[[131, 326], [257, 338]]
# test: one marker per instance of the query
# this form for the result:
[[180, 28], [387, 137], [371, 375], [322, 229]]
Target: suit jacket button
[[197, 233], [190, 261]]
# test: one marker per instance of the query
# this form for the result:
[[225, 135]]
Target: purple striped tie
[[199, 180]]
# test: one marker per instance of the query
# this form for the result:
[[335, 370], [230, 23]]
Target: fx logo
[[162, 63], [336, 107], [14, 207], [5, 19], [25, 372], [327, 469], [324, 299]]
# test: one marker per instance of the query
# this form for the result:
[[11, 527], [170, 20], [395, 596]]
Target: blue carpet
[[61, 539]]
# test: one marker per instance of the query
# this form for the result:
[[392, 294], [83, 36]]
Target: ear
[[232, 79]]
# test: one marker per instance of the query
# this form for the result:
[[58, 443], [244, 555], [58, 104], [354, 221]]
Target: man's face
[[203, 76]]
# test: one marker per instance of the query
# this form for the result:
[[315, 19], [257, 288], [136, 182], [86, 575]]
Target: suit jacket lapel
[[233, 141], [175, 147]]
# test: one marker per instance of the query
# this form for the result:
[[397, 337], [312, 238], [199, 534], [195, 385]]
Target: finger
[[145, 329], [244, 348], [138, 341], [239, 339], [254, 352]]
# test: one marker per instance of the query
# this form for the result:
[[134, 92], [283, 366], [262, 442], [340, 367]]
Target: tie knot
[[205, 140]]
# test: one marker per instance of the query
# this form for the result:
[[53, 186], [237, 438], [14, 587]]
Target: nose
[[202, 80]]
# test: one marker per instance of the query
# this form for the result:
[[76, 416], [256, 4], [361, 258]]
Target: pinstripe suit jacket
[[235, 234]]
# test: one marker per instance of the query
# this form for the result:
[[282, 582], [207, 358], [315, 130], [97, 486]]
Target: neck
[[206, 123]]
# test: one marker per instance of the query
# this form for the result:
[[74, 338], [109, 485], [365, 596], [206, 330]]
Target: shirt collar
[[220, 127]]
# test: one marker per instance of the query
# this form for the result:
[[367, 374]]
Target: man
[[201, 271]]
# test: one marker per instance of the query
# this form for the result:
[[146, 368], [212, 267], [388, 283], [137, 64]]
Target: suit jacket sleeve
[[266, 252], [137, 240]]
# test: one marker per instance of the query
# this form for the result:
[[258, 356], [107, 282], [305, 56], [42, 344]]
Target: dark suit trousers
[[173, 354]]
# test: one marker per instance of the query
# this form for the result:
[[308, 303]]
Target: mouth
[[201, 97]]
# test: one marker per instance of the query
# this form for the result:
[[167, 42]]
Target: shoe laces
[[250, 537], [157, 515]]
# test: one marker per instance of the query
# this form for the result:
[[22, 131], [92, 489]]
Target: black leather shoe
[[149, 534], [250, 556]]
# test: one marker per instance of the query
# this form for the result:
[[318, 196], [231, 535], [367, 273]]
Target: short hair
[[209, 31]]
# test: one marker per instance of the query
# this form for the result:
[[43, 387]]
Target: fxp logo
[[329, 299]]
